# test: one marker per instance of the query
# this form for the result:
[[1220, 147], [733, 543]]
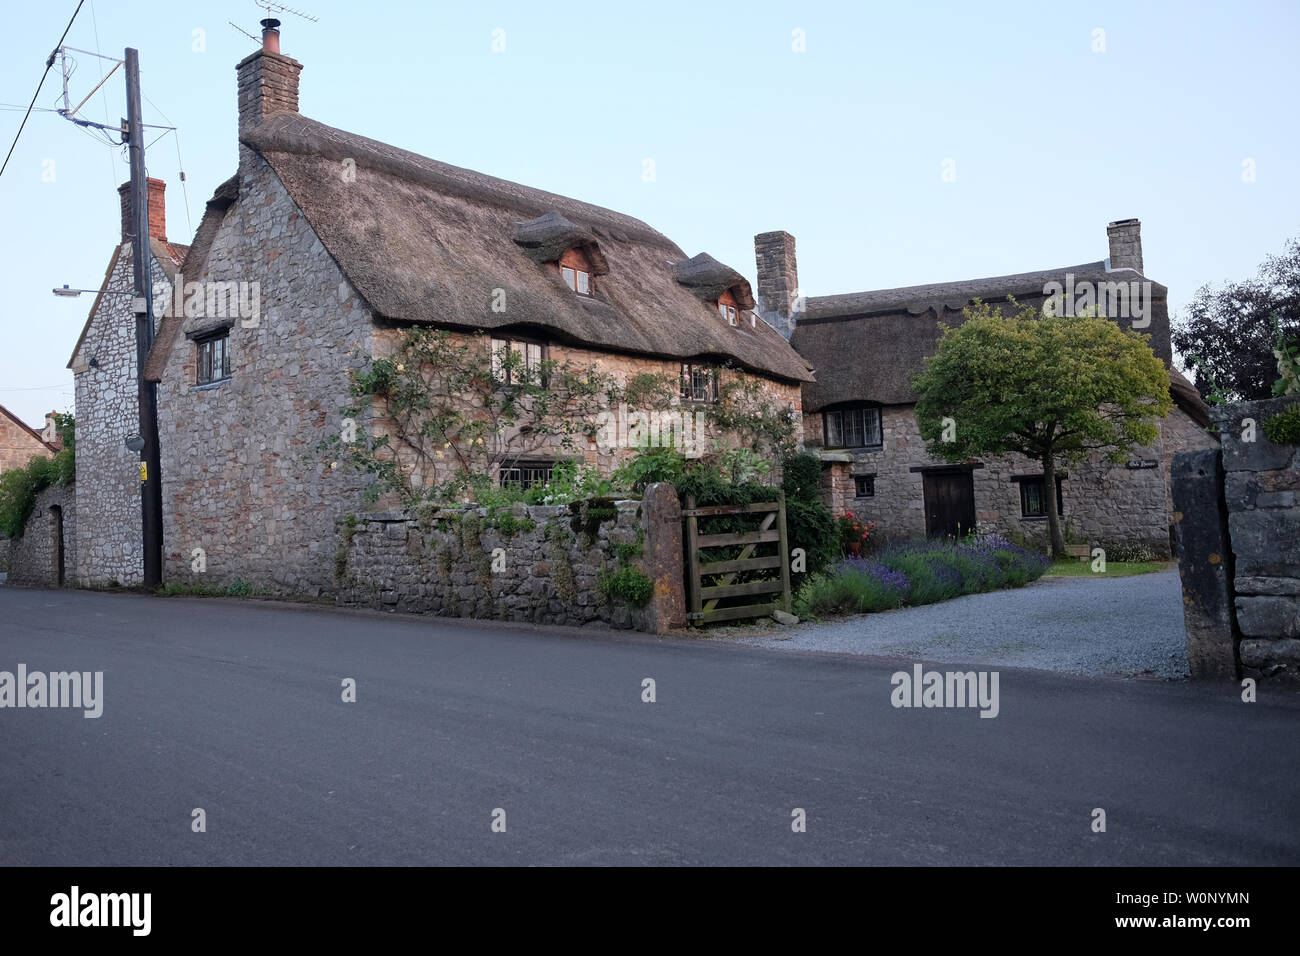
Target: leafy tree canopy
[[1227, 335]]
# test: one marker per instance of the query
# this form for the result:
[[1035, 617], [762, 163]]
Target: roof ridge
[[295, 133]]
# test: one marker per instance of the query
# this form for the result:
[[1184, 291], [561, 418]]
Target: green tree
[[1054, 389], [1228, 334]]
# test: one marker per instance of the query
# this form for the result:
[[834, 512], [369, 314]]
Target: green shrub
[[824, 595], [627, 584], [1283, 428], [801, 477], [20, 486], [649, 466]]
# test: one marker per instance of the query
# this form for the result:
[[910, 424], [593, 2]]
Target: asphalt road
[[235, 708]]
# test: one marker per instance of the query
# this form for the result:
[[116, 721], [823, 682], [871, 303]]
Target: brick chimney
[[268, 80], [157, 210], [778, 280], [1125, 244]]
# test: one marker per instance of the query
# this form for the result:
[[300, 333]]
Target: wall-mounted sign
[[1136, 463]]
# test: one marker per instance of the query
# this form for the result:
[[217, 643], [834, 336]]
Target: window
[[699, 383], [857, 427], [728, 313], [526, 474], [527, 366], [727, 308], [1032, 503], [864, 486], [575, 270], [213, 361]]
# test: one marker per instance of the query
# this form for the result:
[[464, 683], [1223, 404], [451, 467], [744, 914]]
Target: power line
[[48, 64]]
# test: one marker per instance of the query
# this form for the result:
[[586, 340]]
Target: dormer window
[[575, 271], [727, 308]]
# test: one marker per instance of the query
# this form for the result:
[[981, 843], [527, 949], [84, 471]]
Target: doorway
[[56, 545], [949, 503]]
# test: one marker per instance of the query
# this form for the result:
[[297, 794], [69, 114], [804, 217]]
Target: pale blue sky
[[842, 145]]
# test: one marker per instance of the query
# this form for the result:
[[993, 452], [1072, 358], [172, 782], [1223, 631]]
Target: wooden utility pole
[[147, 392]]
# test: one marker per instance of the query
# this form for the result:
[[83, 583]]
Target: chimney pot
[[271, 35]]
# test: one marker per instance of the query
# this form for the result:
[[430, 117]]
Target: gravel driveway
[[1099, 627]]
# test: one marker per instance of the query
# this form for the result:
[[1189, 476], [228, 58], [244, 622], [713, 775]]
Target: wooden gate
[[714, 592]]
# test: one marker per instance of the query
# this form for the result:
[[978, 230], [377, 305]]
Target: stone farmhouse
[[867, 347], [19, 441], [330, 245]]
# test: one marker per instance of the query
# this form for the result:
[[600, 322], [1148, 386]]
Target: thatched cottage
[[332, 244], [866, 349]]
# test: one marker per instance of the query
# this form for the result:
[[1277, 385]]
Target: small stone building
[[103, 363], [339, 243], [866, 349]]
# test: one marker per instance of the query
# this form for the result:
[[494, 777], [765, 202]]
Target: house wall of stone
[[622, 368], [242, 477], [1104, 504], [32, 557], [109, 545], [17, 446], [460, 562]]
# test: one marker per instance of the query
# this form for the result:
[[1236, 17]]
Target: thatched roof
[[870, 345], [548, 237], [707, 278], [425, 242], [1186, 397], [221, 200]]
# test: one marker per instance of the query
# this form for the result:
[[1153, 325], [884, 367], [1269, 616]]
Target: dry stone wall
[[1261, 492], [535, 564]]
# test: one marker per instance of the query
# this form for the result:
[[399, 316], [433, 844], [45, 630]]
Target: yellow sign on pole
[[144, 471]]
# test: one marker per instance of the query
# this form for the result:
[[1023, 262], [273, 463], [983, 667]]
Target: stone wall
[[538, 564], [109, 544], [33, 558], [242, 479], [1260, 492], [1103, 504]]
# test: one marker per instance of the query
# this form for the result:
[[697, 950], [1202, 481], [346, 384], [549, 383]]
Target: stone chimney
[[51, 434], [1125, 244], [157, 210], [268, 80], [778, 280]]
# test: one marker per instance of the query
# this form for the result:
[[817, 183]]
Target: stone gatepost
[[1204, 563], [661, 558]]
